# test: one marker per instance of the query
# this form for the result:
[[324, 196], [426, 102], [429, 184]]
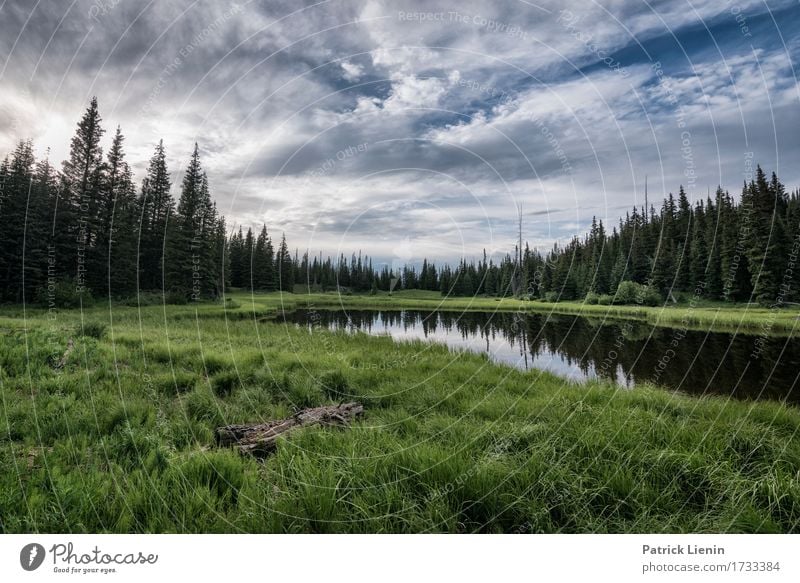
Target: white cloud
[[454, 98], [352, 71]]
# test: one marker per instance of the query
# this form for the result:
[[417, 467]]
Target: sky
[[418, 129]]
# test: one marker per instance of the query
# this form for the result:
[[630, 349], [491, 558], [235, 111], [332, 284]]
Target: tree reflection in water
[[581, 348]]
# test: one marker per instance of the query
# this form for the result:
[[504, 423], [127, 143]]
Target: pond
[[627, 352]]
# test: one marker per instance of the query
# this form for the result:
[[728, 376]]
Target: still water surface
[[627, 352]]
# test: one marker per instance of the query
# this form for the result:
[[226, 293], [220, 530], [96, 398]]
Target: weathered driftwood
[[260, 439]]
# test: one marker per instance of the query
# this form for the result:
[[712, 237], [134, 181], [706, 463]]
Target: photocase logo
[[31, 556]]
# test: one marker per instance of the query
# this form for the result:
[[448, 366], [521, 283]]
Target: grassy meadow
[[117, 436]]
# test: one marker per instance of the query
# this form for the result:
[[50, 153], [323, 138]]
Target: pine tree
[[639, 266], [664, 260], [766, 238], [284, 267], [683, 243], [206, 244], [698, 252], [236, 249], [222, 256], [713, 240], [191, 267], [246, 260], [114, 269], [17, 177], [263, 263], [78, 210], [156, 207], [618, 271], [600, 274], [39, 254]]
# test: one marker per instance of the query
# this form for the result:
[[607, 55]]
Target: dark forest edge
[[84, 232]]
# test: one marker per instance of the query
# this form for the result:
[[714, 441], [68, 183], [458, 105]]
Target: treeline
[[718, 248], [85, 230]]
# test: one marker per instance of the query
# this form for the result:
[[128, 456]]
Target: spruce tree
[[284, 267], [263, 262], [155, 206], [114, 268], [683, 243], [78, 212], [247, 260], [766, 240], [191, 251], [40, 256], [17, 175], [698, 252], [236, 258], [713, 241]]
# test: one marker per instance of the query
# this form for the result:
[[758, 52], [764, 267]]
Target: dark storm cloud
[[394, 125]]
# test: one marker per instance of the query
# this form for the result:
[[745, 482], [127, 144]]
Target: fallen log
[[260, 439]]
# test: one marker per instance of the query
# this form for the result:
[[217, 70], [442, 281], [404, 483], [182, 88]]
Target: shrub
[[92, 330], [592, 298], [604, 300], [650, 297], [630, 292], [176, 298], [64, 294], [213, 363], [221, 473], [626, 292], [143, 299], [224, 382], [201, 406], [300, 392], [176, 383], [334, 385], [551, 297], [157, 298]]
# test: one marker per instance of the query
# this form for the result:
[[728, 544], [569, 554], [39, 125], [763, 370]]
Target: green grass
[[121, 438]]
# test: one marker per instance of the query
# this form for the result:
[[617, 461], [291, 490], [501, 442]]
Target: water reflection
[[580, 348]]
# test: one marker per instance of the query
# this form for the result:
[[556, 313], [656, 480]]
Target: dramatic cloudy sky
[[416, 128]]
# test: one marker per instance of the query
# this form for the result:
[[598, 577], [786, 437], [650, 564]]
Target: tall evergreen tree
[[191, 268], [40, 259], [263, 263], [78, 212], [247, 260], [766, 238], [17, 175], [156, 206], [114, 267], [683, 232], [284, 267]]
